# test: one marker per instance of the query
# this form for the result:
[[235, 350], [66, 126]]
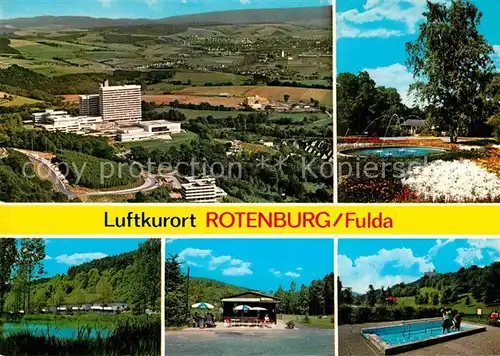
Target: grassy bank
[[83, 320]]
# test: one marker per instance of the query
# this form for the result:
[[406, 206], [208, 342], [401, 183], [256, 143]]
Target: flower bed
[[453, 181], [491, 160]]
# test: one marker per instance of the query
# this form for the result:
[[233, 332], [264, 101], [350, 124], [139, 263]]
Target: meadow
[[7, 99], [318, 322]]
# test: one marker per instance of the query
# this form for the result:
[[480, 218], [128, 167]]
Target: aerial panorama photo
[[166, 101]]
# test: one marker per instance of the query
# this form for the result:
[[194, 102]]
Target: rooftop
[[249, 296], [118, 87]]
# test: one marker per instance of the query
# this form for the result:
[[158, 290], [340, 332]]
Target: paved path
[[487, 343]]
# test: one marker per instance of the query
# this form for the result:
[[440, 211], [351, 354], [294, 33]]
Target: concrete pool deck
[[352, 343]]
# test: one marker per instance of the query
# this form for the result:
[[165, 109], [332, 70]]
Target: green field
[[323, 119], [460, 305], [177, 139], [214, 77], [16, 100], [313, 322]]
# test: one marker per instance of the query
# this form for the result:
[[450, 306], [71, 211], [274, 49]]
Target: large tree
[[30, 266], [8, 252], [146, 279], [175, 307], [451, 61]]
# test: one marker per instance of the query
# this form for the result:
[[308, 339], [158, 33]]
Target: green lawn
[[16, 100], [460, 305], [313, 322], [177, 139]]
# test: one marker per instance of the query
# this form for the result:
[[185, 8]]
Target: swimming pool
[[397, 338], [391, 151]]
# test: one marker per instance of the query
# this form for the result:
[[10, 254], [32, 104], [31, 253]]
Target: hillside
[[211, 291], [321, 16], [132, 278], [468, 287]]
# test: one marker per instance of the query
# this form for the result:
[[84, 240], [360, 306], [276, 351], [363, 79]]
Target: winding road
[[150, 181]]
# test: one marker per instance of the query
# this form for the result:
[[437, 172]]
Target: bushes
[[369, 191], [18, 182], [360, 315]]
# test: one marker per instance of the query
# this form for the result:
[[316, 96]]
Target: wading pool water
[[410, 151], [397, 338]]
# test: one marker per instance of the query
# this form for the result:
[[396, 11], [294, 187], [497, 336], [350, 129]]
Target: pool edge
[[387, 349]]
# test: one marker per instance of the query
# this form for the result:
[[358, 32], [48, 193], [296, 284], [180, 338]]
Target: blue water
[[61, 332], [396, 151], [303, 342], [400, 334]]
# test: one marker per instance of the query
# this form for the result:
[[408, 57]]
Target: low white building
[[52, 120], [149, 130], [201, 190], [161, 126], [75, 124], [38, 116]]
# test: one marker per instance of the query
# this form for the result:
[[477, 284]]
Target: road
[[150, 182]]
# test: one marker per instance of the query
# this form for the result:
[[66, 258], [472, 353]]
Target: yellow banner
[[180, 219]]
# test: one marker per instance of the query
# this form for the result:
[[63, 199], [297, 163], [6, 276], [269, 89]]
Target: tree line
[[315, 299]]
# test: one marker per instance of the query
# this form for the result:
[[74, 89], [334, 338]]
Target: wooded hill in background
[[480, 283], [132, 277], [221, 17]]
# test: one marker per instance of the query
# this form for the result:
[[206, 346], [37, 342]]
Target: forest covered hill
[[132, 278], [316, 14]]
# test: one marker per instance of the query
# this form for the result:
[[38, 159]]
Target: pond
[[52, 329], [403, 151], [303, 342]]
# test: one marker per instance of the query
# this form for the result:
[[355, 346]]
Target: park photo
[[163, 101], [241, 296], [419, 121], [80, 296], [419, 297]]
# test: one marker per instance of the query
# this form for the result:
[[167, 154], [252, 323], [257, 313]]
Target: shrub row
[[359, 315]]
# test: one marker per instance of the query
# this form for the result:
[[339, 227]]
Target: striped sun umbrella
[[242, 308], [202, 305]]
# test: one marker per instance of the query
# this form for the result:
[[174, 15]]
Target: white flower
[[456, 181]]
